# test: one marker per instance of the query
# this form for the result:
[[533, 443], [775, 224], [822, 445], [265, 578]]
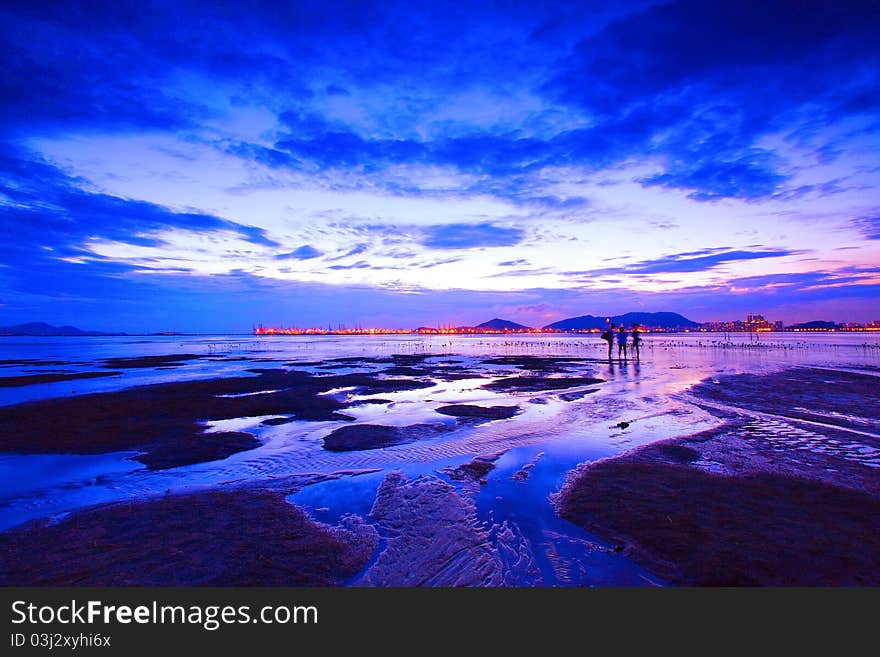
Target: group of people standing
[[622, 338]]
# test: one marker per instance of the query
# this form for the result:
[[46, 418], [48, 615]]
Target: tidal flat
[[408, 461]]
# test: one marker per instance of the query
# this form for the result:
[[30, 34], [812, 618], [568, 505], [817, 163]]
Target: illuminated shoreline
[[260, 330]]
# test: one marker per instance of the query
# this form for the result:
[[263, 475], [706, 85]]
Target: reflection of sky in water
[[524, 503], [694, 355], [26, 474], [567, 432]]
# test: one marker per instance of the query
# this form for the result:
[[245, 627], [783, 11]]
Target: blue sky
[[194, 167]]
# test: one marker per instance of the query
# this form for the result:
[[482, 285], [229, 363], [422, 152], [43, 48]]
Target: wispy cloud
[[869, 226], [391, 147], [305, 252], [683, 263], [470, 236]]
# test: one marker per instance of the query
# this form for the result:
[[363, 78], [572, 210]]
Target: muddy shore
[[784, 490], [761, 500], [166, 421], [218, 538]]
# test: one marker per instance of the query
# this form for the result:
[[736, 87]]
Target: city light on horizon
[[752, 324]]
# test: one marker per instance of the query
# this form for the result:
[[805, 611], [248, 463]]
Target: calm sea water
[[698, 352], [551, 436]]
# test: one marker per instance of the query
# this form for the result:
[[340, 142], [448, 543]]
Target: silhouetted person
[[622, 336], [637, 341], [608, 336]]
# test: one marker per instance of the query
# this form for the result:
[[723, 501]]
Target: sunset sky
[[201, 167]]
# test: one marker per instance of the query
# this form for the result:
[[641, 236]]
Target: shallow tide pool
[[554, 431]]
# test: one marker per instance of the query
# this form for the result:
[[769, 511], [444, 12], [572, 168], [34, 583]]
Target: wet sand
[[474, 470], [464, 452], [174, 360], [540, 383], [744, 504], [35, 379], [479, 412], [372, 436], [433, 537], [216, 538], [166, 421]]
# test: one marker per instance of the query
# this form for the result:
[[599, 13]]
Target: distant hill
[[817, 324], [501, 325], [589, 322], [41, 328], [582, 323]]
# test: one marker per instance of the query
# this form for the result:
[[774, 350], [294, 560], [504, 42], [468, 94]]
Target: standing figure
[[608, 336], [622, 336], [637, 341]]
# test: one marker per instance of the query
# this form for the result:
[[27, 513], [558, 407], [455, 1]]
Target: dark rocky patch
[[671, 453], [579, 394], [523, 473], [167, 419], [42, 370], [173, 360], [540, 363], [413, 359], [751, 501], [366, 383], [276, 421], [406, 370], [413, 365], [370, 385], [808, 393], [695, 528], [455, 375], [480, 412], [234, 538], [35, 361], [475, 470], [198, 448], [360, 437], [540, 383], [33, 379], [395, 359]]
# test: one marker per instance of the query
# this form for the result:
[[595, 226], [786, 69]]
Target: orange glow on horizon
[[709, 327]]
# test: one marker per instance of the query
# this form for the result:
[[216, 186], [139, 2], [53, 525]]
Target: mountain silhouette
[[41, 328], [664, 320], [815, 324], [501, 325]]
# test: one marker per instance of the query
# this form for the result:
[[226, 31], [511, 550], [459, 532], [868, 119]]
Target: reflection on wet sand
[[489, 427]]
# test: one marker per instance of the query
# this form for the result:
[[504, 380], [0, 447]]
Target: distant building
[[753, 323]]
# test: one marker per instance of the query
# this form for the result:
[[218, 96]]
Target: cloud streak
[[709, 149], [471, 236]]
